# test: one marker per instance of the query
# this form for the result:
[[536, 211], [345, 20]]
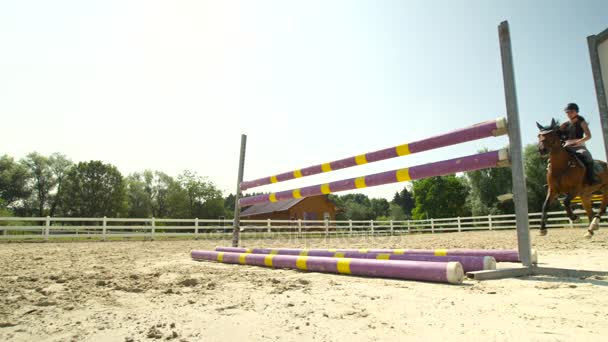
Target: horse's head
[[548, 137]]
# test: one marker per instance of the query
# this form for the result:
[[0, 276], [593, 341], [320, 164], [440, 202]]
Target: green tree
[[14, 179], [405, 200], [438, 197], [42, 181], [379, 207], [93, 189], [138, 199], [486, 185], [59, 165], [396, 212]]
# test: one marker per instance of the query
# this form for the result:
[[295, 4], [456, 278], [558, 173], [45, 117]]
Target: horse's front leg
[[543, 218]]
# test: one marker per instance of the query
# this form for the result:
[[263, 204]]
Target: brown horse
[[566, 175]]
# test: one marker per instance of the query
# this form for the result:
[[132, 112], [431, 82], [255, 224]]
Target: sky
[[171, 85]]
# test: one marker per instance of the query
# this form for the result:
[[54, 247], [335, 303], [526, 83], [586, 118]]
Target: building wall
[[313, 208]]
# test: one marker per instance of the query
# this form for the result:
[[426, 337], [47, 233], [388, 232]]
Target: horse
[[566, 176]]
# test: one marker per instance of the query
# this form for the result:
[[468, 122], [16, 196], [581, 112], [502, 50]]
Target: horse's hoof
[[542, 232], [589, 234], [575, 218]]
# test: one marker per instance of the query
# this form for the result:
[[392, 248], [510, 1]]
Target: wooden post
[[391, 223], [350, 227], [196, 228], [432, 226], [153, 228], [520, 196], [47, 228], [237, 207], [459, 225], [409, 228], [490, 221], [104, 229], [371, 225], [268, 225]]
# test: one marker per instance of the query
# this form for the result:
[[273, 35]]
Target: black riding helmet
[[572, 106]]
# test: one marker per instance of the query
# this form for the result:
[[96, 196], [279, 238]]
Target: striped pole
[[482, 130], [469, 263], [441, 168], [442, 272], [500, 255]]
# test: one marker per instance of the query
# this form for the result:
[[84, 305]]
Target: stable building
[[309, 208]]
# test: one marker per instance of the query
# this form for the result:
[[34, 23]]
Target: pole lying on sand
[[469, 263], [441, 272], [501, 255]]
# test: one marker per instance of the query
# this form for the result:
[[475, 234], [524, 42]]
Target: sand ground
[[146, 290]]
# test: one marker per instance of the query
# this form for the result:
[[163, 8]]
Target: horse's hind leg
[[568, 208], [595, 225], [588, 205]]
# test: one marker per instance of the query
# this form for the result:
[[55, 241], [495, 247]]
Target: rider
[[575, 132]]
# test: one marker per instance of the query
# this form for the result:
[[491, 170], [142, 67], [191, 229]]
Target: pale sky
[[171, 85]]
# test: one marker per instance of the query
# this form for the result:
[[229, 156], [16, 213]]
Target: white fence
[[25, 228]]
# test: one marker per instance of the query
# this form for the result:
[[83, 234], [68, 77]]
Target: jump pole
[[469, 263], [468, 163], [492, 128], [442, 272], [500, 255]]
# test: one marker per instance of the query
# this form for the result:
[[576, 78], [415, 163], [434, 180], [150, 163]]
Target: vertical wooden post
[[520, 196], [459, 225], [237, 196], [350, 227], [268, 225], [196, 228], [47, 228], [104, 229], [432, 226], [490, 221], [391, 223], [153, 228]]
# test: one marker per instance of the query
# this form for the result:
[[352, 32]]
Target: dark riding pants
[[583, 154]]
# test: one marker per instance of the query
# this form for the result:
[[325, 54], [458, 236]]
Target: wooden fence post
[[104, 229]]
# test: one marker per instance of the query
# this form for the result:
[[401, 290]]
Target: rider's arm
[[587, 135]]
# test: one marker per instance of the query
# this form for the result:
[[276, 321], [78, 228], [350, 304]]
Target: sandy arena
[[144, 290]]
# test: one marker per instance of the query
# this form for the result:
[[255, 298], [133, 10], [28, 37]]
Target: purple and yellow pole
[[442, 272], [469, 263], [441, 168], [501, 255], [482, 130]]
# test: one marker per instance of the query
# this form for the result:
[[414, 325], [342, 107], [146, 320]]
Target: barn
[[309, 208]]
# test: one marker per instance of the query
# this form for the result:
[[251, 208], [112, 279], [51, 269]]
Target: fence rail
[[45, 228]]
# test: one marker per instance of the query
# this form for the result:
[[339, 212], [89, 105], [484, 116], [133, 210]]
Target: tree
[[138, 199], [379, 207], [405, 200], [93, 189], [42, 180], [59, 165], [438, 197], [396, 212], [486, 185], [14, 179]]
